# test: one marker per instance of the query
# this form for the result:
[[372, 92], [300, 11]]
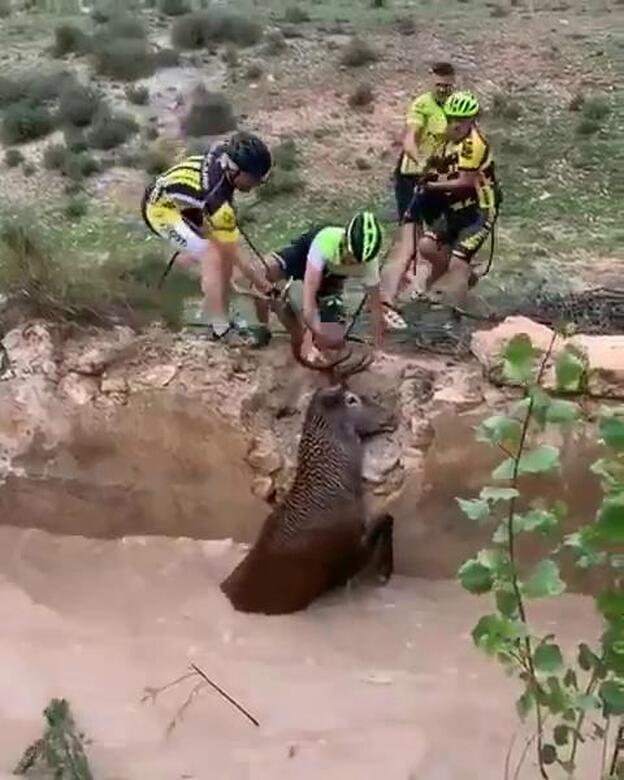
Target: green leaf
[[549, 754], [569, 371], [587, 659], [519, 359], [495, 494], [540, 460], [505, 470], [494, 633], [570, 679], [474, 508], [609, 527], [561, 412], [613, 648], [561, 734], [499, 430], [611, 604], [587, 703], [548, 658], [507, 603], [525, 704], [544, 581], [475, 577], [501, 535], [537, 520], [612, 695], [612, 432]]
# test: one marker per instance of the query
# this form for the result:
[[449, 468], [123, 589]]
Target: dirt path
[[373, 683]]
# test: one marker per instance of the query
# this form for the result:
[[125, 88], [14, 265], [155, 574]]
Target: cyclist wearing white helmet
[[323, 258], [468, 184], [191, 206]]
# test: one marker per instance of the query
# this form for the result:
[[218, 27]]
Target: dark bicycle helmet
[[250, 154], [364, 236]]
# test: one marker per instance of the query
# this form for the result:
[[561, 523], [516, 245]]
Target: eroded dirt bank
[[378, 682], [107, 435]]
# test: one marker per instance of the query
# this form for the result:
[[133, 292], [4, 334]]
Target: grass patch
[[32, 88], [286, 155], [41, 279], [78, 105], [505, 107], [138, 96], [200, 29], [24, 122], [358, 53], [253, 71], [76, 208], [275, 43], [210, 114], [405, 25], [128, 27], [282, 182], [5, 8], [13, 158], [76, 166]]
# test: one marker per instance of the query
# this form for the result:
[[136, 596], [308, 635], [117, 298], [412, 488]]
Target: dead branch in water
[[151, 694]]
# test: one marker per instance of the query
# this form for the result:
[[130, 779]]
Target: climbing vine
[[573, 701]]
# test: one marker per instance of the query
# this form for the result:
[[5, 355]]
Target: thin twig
[[512, 554], [151, 694], [619, 746], [225, 695], [605, 742], [593, 681], [179, 716], [523, 755], [508, 756]]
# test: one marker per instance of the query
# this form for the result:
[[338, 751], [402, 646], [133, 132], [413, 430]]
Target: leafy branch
[[593, 687]]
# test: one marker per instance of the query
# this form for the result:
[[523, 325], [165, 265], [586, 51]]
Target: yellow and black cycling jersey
[[473, 153], [198, 186]]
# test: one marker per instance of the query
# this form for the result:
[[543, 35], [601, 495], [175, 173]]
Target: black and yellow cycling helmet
[[250, 154], [461, 105], [364, 236]]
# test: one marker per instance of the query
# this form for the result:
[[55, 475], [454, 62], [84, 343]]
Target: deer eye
[[352, 400]]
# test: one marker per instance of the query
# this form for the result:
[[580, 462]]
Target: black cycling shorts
[[464, 231]]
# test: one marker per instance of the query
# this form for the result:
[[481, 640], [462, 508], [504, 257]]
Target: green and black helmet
[[461, 105], [364, 236]]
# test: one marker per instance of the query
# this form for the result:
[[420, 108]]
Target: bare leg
[[457, 280], [397, 268], [216, 276]]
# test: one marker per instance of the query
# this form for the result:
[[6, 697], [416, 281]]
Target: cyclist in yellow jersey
[[191, 206], [425, 135], [471, 196]]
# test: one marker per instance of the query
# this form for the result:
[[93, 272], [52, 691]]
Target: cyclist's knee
[[428, 248]]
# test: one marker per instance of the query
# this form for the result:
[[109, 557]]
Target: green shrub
[[499, 12], [70, 39], [75, 139], [13, 158], [285, 155], [505, 107], [111, 130], [203, 28], [281, 182], [294, 14], [230, 56], [405, 25], [156, 160], [596, 109], [587, 126], [29, 169], [125, 27], [76, 208], [24, 122], [138, 96], [173, 7], [210, 114], [253, 71], [275, 43], [78, 104], [362, 95], [32, 87], [75, 166], [166, 58], [54, 157], [5, 8], [125, 59], [358, 53]]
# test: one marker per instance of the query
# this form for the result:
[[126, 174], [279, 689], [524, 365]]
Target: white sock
[[219, 327]]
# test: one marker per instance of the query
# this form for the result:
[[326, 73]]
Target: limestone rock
[[31, 349], [152, 378], [114, 385], [462, 392], [605, 355], [92, 355], [381, 457], [264, 457], [488, 345], [79, 389], [263, 488]]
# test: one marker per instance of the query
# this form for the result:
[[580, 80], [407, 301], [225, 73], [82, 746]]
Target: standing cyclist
[[323, 257], [425, 135], [191, 206], [471, 196]]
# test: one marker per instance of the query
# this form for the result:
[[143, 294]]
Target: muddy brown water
[[109, 583]]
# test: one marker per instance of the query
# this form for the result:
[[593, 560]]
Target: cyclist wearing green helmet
[[471, 195], [323, 258]]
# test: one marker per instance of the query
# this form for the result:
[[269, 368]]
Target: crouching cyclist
[[470, 198], [191, 206], [323, 258]]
